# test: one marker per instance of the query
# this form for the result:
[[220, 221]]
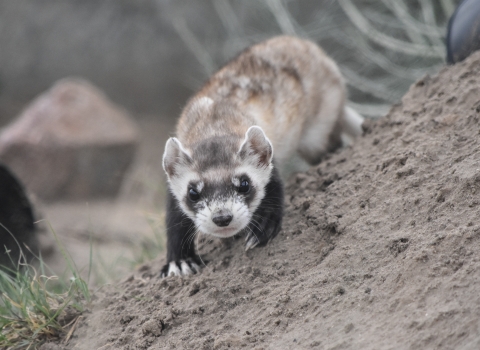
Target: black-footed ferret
[[278, 98]]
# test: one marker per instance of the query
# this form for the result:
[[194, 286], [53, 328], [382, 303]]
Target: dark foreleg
[[181, 256], [267, 219]]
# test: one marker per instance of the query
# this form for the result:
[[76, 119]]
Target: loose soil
[[379, 250]]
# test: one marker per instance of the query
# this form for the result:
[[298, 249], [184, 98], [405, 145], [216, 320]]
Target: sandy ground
[[379, 250]]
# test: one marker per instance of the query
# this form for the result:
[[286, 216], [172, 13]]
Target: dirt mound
[[379, 250]]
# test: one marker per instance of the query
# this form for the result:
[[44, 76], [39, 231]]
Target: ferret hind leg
[[321, 132]]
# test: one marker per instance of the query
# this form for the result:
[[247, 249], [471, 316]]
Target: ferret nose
[[222, 218]]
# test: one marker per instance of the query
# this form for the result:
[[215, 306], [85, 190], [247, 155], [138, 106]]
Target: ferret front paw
[[251, 241], [262, 230], [180, 268]]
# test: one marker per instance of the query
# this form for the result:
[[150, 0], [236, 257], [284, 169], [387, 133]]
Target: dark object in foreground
[[463, 34], [16, 221]]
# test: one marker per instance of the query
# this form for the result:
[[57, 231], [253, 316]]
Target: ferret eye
[[193, 195], [244, 186]]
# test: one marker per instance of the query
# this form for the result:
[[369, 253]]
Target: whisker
[[255, 223], [187, 236], [253, 233], [263, 218], [192, 238], [198, 252]]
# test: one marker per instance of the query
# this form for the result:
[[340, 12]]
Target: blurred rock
[[71, 142], [17, 229]]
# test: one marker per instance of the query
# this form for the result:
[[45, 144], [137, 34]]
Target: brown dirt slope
[[380, 249]]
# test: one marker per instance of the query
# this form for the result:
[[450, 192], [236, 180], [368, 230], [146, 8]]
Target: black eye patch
[[245, 188]]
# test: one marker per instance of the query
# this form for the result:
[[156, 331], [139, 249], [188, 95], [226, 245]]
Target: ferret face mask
[[218, 183]]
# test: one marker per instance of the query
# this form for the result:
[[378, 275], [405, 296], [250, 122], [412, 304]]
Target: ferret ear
[[257, 147], [175, 157]]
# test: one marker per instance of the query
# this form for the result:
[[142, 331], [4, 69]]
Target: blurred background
[[149, 56]]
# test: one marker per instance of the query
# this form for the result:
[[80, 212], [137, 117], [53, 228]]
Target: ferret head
[[220, 181]]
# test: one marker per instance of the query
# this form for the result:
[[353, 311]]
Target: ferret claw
[[251, 241], [180, 268]]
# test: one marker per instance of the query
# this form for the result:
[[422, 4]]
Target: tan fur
[[287, 86]]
